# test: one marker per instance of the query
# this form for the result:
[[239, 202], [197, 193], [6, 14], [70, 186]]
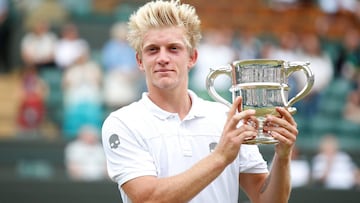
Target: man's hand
[[284, 129], [234, 134]]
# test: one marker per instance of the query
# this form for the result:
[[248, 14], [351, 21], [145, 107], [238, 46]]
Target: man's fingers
[[236, 107], [286, 114], [246, 116]]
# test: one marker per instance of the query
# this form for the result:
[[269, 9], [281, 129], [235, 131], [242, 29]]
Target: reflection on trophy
[[263, 85]]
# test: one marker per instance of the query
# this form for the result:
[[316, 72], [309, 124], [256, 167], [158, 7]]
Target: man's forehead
[[172, 35]]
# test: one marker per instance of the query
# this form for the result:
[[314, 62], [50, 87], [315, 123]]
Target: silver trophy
[[263, 85]]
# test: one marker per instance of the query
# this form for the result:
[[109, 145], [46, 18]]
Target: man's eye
[[151, 49], [174, 48]]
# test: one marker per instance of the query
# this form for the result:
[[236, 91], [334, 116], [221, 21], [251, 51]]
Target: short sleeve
[[127, 155], [251, 160]]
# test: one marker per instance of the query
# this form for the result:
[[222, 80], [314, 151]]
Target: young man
[[172, 146]]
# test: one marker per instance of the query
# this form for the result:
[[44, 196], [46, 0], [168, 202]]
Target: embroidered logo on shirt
[[212, 146], [114, 141]]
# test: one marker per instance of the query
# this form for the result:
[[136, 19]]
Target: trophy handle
[[304, 67], [210, 83]]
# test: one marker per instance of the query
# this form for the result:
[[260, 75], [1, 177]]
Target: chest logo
[[212, 146], [114, 141]]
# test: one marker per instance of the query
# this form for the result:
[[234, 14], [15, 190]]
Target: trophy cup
[[263, 86]]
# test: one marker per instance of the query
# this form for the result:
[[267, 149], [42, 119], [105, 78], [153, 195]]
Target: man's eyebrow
[[149, 46], [179, 44]]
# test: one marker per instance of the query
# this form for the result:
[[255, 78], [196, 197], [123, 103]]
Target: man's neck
[[172, 101]]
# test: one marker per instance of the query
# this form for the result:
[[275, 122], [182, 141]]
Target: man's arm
[[180, 188], [184, 186], [276, 186], [273, 187]]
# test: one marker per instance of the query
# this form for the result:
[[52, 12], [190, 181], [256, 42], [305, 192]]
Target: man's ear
[[193, 58], [139, 62]]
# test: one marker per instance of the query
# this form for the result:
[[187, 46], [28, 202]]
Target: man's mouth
[[163, 70]]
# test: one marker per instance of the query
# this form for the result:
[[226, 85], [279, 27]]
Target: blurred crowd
[[330, 167], [91, 87], [86, 85]]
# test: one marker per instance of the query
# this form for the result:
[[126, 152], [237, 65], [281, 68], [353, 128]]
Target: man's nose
[[163, 57]]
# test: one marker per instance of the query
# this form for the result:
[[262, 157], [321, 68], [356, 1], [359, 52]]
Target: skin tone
[[166, 61]]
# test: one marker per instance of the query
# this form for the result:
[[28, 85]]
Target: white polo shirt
[[141, 139]]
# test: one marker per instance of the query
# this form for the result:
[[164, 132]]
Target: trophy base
[[261, 140]]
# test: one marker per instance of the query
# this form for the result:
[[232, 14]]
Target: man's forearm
[[277, 187], [199, 176], [182, 187]]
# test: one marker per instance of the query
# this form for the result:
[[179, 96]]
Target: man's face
[[165, 58]]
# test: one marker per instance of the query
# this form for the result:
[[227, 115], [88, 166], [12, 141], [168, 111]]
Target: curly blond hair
[[160, 14]]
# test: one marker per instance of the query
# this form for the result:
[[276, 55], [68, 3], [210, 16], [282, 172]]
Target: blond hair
[[160, 14]]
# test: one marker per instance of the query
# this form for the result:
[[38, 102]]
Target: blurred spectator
[[4, 36], [31, 112], [335, 6], [214, 51], [357, 11], [84, 156], [357, 179], [288, 50], [248, 46], [117, 53], [38, 45], [322, 68], [122, 77], [333, 168], [329, 44], [267, 49], [352, 105], [69, 46], [82, 94], [350, 60], [299, 169], [37, 10]]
